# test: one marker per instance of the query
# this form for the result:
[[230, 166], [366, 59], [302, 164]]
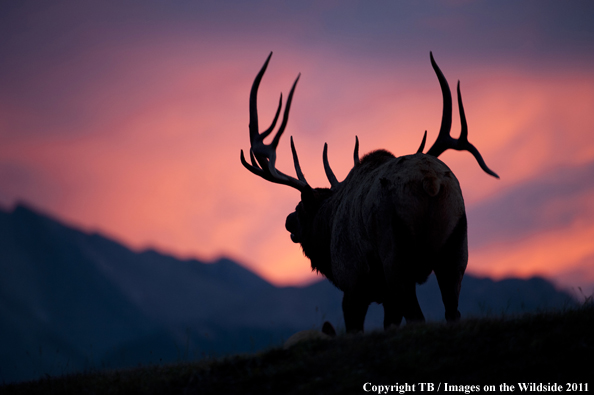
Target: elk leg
[[354, 309], [449, 274], [449, 285], [412, 309], [402, 302], [392, 313]]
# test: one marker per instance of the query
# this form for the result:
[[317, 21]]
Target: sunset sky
[[127, 118]]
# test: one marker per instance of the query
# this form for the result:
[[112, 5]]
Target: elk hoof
[[453, 317]]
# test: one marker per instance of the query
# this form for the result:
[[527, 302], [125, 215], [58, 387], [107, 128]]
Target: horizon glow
[[139, 137]]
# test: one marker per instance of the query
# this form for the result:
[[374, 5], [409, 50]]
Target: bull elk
[[384, 228]]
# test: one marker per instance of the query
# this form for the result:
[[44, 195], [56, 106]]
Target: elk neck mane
[[376, 158]]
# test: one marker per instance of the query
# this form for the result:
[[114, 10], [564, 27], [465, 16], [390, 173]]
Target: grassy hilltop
[[551, 347]]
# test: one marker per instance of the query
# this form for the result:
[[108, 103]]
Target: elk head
[[263, 160]]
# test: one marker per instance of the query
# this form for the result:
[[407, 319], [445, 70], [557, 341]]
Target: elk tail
[[431, 184]]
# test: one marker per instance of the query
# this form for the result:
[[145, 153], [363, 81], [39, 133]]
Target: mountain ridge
[[72, 300]]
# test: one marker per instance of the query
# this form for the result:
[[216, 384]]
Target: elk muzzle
[[294, 227]]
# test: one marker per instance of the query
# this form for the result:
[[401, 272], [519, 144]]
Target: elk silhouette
[[387, 226]]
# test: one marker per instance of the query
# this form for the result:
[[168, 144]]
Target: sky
[[127, 118]]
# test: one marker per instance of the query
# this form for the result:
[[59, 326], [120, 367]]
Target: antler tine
[[266, 153], [254, 167], [464, 144], [422, 147], [263, 156], [265, 133], [329, 173], [296, 162], [254, 129], [283, 124], [463, 139], [444, 140], [271, 174]]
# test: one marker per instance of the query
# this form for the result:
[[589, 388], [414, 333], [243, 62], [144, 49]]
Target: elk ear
[[308, 199], [312, 199]]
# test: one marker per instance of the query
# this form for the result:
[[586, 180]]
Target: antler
[[263, 156], [444, 140], [329, 173]]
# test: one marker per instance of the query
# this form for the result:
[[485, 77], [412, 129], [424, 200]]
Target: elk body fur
[[386, 227], [388, 207]]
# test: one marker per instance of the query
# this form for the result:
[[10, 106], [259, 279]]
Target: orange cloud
[[166, 172], [555, 254]]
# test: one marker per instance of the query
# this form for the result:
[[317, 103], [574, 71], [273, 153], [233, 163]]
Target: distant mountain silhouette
[[71, 301]]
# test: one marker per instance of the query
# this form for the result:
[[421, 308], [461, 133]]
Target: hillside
[[543, 348], [72, 301]]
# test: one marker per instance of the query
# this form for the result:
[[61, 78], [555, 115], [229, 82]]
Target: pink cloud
[[556, 254], [142, 141]]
